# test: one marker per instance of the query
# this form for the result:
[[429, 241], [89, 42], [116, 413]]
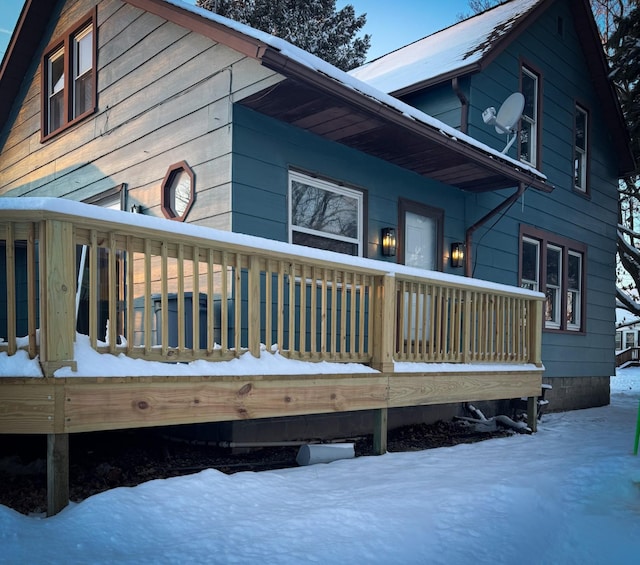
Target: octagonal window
[[178, 191]]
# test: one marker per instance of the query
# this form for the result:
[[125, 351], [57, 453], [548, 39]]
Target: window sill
[[68, 125]]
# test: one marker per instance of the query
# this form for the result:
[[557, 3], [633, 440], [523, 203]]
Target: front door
[[421, 228], [421, 247]]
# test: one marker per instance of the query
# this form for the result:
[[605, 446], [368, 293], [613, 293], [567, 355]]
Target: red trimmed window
[[178, 191], [69, 78], [555, 266]]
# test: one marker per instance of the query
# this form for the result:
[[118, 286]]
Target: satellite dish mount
[[507, 118]]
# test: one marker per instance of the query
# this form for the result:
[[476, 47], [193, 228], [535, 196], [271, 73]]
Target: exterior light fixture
[[457, 254], [388, 242]]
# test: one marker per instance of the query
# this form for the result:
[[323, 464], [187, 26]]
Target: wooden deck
[[179, 293]]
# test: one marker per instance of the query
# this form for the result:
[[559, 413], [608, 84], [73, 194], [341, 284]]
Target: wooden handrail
[[191, 293], [629, 354]]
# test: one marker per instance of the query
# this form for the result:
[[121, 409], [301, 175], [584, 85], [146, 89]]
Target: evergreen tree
[[312, 25]]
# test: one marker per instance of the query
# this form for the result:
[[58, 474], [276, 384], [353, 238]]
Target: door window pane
[[421, 239]]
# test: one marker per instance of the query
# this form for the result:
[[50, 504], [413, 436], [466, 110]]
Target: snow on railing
[[165, 291]]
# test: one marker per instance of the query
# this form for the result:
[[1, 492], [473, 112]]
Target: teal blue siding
[[589, 220], [264, 151], [441, 102]]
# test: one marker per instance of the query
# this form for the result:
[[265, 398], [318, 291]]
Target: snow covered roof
[[452, 49], [288, 59]]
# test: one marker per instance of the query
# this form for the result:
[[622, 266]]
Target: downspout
[[464, 104], [468, 260]]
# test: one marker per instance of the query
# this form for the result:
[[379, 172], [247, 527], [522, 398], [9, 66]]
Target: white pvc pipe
[[311, 454]]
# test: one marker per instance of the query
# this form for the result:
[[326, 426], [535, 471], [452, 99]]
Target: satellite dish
[[506, 120]]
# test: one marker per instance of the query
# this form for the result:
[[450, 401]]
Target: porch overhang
[[333, 110]]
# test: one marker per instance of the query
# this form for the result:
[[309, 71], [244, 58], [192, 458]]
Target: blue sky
[[391, 24]]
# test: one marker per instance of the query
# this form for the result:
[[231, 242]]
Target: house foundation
[[575, 393]]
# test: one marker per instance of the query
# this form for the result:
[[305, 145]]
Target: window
[[574, 290], [629, 340], [69, 78], [618, 340], [555, 266], [553, 287], [580, 149], [325, 215], [530, 264], [529, 123], [178, 191]]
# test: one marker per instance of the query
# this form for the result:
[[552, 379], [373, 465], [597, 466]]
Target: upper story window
[[325, 215], [581, 149], [69, 78], [555, 266], [529, 123]]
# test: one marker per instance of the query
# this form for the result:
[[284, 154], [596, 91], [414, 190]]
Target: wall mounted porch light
[[388, 239], [457, 254]]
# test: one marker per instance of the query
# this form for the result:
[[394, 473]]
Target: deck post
[[253, 302], [57, 472], [384, 324], [57, 295], [532, 413], [535, 332], [380, 431]]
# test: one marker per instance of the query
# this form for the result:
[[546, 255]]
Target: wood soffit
[[317, 103]]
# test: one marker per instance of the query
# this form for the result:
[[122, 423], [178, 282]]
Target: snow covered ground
[[568, 494]]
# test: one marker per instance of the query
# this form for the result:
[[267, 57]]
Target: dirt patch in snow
[[104, 460]]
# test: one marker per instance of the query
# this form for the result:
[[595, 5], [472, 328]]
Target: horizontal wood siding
[[590, 220], [150, 115]]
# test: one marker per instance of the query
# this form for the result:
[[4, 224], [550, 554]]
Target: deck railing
[[165, 291]]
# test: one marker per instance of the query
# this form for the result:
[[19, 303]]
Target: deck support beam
[[532, 413], [380, 431], [57, 472]]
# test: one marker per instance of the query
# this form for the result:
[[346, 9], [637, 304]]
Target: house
[[561, 243], [355, 208], [627, 337]]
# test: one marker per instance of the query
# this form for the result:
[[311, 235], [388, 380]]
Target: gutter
[[507, 203], [464, 104]]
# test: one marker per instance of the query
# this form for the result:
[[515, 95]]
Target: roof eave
[[249, 46], [26, 37], [280, 63], [444, 77]]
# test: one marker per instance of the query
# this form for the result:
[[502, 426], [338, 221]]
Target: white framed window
[[55, 89], [528, 146], [530, 264], [580, 149], [82, 70], [629, 340], [618, 341], [325, 215], [553, 286], [574, 290]]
